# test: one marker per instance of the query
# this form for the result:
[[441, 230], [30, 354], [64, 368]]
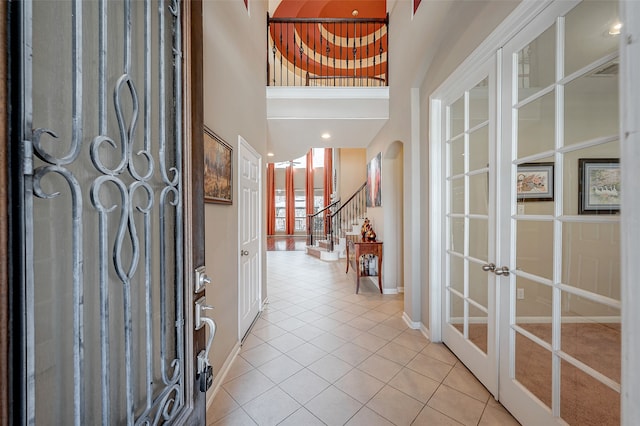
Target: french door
[[104, 308], [469, 293], [545, 248], [560, 334]]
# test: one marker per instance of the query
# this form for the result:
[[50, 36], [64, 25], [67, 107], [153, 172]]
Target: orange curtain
[[309, 192], [328, 175], [271, 199], [290, 202]]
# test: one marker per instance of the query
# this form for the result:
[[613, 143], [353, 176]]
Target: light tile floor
[[322, 355]]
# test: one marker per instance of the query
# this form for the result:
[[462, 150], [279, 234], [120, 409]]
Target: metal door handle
[[504, 271], [204, 368], [489, 267], [244, 252]]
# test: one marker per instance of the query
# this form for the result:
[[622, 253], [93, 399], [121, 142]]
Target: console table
[[355, 249]]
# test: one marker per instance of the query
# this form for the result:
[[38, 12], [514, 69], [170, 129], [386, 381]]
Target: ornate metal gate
[[100, 132]]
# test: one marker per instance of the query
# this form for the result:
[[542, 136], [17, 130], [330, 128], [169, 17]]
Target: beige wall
[[234, 104], [352, 171], [477, 21]]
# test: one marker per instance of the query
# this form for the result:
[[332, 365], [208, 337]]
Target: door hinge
[[27, 147]]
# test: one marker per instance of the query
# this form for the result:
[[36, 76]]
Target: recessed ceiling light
[[615, 28], [326, 136], [269, 154], [354, 13]]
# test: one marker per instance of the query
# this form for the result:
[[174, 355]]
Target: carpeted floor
[[584, 401]]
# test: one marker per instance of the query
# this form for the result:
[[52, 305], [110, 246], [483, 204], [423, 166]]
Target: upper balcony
[[325, 75], [328, 52]]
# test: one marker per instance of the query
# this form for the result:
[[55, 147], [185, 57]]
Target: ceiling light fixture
[[326, 136], [615, 28], [270, 154], [354, 13]]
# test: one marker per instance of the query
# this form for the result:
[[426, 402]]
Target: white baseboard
[[264, 303], [425, 331], [389, 291], [412, 324], [217, 382]]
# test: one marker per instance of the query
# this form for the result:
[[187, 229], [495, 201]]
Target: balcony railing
[[327, 52]]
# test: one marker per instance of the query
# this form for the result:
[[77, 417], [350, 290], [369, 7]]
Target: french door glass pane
[[456, 311], [479, 193], [456, 157], [479, 103], [478, 284], [534, 308], [479, 149], [533, 368], [457, 195], [534, 252], [456, 273], [478, 323], [591, 334], [536, 64], [479, 238], [457, 235], [588, 37], [591, 105], [456, 118], [591, 257], [536, 126], [585, 400], [572, 176]]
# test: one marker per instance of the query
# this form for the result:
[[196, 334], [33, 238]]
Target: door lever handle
[[205, 371], [504, 271], [489, 267]]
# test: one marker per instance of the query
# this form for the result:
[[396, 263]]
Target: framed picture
[[374, 194], [599, 186], [535, 182], [218, 160]]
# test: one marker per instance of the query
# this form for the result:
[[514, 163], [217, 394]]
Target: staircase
[[327, 229]]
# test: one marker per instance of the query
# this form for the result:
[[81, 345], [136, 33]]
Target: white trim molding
[[630, 222], [411, 324]]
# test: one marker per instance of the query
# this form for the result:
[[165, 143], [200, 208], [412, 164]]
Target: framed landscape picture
[[218, 160], [534, 182], [599, 186]]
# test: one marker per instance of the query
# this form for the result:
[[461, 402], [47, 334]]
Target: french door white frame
[[630, 226]]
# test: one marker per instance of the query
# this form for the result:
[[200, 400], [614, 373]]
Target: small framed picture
[[534, 182], [218, 158], [599, 186]]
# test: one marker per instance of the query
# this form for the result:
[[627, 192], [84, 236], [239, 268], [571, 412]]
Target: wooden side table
[[355, 249]]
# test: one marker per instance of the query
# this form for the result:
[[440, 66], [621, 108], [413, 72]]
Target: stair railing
[[330, 222], [319, 222]]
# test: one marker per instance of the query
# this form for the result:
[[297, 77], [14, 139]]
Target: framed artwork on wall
[[218, 161], [535, 182], [599, 186], [374, 194]]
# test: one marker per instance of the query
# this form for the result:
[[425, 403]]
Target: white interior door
[[250, 214], [469, 244], [560, 338]]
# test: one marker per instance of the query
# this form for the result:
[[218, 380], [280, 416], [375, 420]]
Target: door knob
[[504, 271], [244, 252], [489, 267]]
